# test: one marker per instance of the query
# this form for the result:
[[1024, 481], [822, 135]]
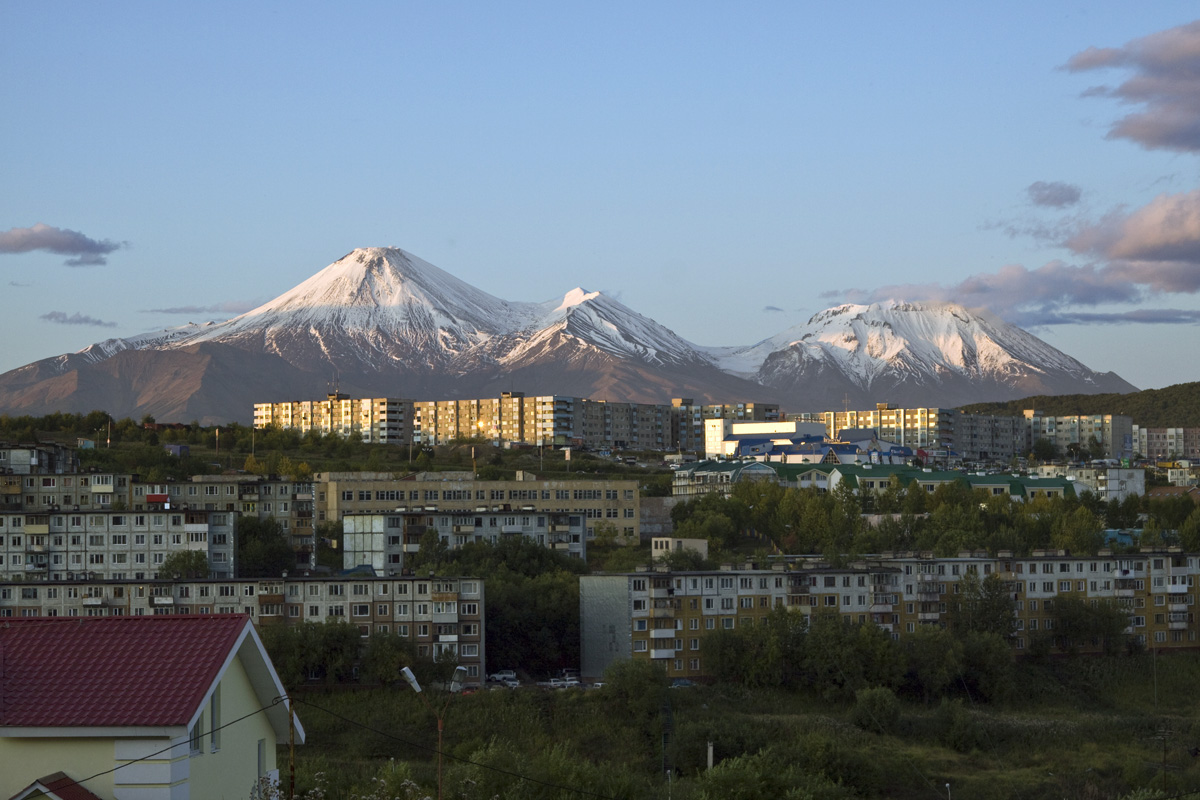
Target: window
[[196, 735], [214, 713], [639, 646]]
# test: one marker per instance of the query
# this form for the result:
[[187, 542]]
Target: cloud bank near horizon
[[1126, 257]]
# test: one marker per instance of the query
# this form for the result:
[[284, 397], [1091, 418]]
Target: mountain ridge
[[388, 323]]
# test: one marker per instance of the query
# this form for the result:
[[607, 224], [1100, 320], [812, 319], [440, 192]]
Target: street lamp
[[459, 674]]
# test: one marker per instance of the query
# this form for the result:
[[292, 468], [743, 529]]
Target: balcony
[[929, 616], [1177, 607], [464, 528], [662, 633], [162, 601], [1177, 588], [662, 592], [93, 601], [664, 653]]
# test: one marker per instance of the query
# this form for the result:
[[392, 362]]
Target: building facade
[[601, 504], [664, 616], [442, 616], [1114, 432], [116, 545], [385, 542], [378, 420]]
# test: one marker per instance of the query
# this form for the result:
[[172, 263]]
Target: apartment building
[[1167, 444], [378, 420], [384, 542], [1113, 431], [918, 428], [78, 491], [1107, 483], [37, 459], [118, 545], [988, 438], [598, 503], [664, 616], [443, 616], [545, 420]]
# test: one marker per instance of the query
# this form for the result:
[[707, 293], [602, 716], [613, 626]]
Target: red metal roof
[[58, 786], [111, 671]]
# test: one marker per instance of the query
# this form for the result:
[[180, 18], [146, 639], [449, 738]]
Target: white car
[[503, 676]]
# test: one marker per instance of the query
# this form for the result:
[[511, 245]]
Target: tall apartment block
[[1167, 444], [1113, 431], [546, 420], [378, 420]]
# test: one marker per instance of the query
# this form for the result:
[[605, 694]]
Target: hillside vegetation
[[1175, 406]]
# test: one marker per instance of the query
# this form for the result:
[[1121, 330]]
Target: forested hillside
[[1172, 406]]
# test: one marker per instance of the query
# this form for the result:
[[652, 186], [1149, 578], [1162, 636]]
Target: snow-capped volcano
[[940, 352], [388, 323]]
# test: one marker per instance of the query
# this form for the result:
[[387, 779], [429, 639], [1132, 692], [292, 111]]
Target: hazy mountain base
[[1081, 728]]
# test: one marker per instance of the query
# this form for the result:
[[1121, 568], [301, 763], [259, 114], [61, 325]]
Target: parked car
[[503, 675], [682, 683]]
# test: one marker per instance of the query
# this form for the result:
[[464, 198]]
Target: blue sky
[[726, 171]]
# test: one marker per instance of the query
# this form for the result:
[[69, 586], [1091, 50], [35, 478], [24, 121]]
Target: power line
[[170, 747]]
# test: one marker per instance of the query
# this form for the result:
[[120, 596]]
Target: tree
[[1079, 532], [934, 660], [431, 551], [185, 564], [263, 550], [1078, 623], [982, 606], [1044, 449]]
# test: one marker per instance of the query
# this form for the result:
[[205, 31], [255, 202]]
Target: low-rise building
[[599, 503], [442, 616], [384, 542], [117, 545], [664, 616], [149, 707]]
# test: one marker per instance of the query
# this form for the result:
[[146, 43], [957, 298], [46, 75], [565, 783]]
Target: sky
[[727, 171]]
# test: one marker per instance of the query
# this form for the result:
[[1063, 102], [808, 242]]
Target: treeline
[[1172, 406], [842, 524], [971, 657]]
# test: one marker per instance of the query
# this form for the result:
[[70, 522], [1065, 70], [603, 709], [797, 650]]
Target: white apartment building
[[110, 545], [385, 541]]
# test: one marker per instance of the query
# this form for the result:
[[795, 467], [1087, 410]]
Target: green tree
[[185, 564], [1189, 532], [1079, 531], [263, 550], [1044, 450], [982, 606], [1078, 624], [934, 660], [431, 552]]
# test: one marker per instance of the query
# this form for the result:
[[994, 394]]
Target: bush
[[876, 710]]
